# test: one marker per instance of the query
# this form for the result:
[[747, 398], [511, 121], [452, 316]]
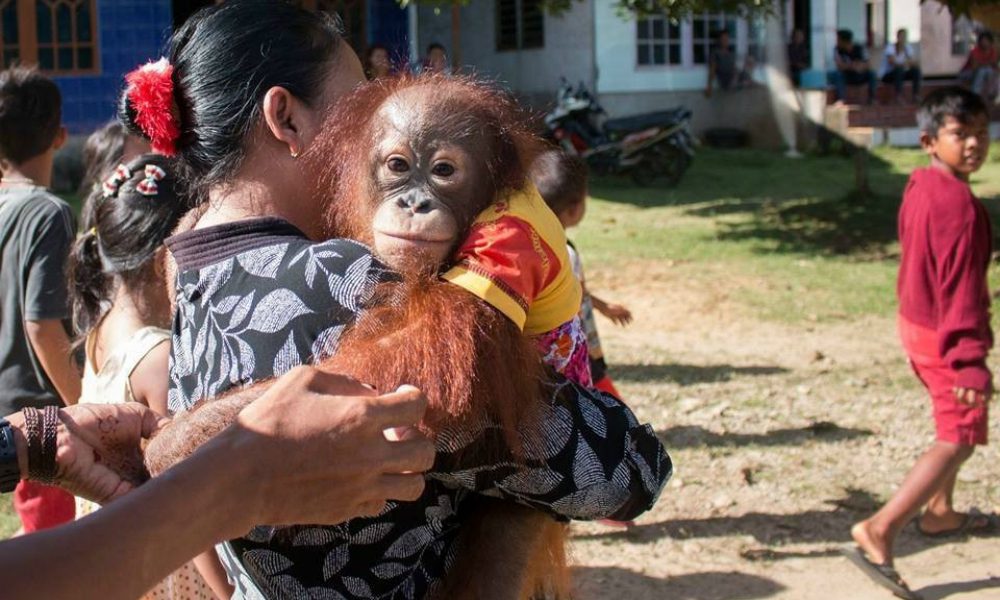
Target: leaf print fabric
[[281, 301]]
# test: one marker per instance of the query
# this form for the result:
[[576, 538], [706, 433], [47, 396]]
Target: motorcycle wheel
[[664, 163]]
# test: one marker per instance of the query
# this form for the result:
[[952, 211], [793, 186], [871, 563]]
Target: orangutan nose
[[415, 203]]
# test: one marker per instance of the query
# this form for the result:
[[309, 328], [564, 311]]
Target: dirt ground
[[782, 436]]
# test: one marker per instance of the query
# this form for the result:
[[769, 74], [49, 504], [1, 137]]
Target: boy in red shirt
[[944, 325]]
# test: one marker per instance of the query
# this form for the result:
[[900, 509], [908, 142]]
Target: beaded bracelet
[[41, 431]]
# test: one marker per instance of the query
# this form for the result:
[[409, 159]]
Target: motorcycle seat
[[663, 118]]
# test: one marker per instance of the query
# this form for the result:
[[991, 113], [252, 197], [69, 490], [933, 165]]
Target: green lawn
[[815, 249]]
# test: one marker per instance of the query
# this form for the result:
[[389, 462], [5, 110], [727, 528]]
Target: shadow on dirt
[[694, 436], [828, 529], [600, 582], [689, 374], [943, 590]]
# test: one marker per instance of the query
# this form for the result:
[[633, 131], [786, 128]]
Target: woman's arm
[[592, 460], [263, 469]]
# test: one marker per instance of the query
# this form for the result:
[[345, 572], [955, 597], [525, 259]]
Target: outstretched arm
[[270, 475]]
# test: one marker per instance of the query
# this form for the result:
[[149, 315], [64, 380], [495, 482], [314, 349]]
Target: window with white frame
[[689, 43], [658, 42], [520, 24], [704, 29]]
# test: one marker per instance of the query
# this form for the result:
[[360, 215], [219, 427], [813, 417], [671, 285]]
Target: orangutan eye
[[398, 165], [443, 170]]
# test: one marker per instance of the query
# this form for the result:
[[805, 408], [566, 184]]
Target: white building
[[651, 64]]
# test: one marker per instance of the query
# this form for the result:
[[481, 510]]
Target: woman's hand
[[323, 448], [98, 448]]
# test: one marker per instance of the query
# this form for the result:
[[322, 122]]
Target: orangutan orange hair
[[339, 155]]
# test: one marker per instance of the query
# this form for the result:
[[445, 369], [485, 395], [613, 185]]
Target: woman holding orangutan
[[258, 294]]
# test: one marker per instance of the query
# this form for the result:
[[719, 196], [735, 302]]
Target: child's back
[[36, 229], [121, 312]]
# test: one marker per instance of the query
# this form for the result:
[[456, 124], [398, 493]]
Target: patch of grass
[[816, 249], [9, 521]]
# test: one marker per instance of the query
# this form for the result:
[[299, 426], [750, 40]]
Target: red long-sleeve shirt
[[946, 242]]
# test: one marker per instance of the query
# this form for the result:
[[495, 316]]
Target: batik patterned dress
[[256, 298]]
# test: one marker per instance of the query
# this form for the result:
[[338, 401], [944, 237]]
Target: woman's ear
[[285, 117]]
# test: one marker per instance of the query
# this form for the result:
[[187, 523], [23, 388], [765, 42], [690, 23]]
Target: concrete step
[[891, 116], [885, 94]]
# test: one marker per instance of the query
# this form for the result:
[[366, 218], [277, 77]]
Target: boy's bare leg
[[877, 534], [940, 514]]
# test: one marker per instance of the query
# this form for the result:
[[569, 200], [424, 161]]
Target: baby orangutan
[[416, 161]]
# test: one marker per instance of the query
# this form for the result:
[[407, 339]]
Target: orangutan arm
[[188, 431]]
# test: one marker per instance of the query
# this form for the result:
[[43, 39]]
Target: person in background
[[798, 56], [722, 66], [561, 179], [37, 365], [436, 60], [899, 64], [121, 311], [852, 65], [980, 70], [377, 64], [944, 325]]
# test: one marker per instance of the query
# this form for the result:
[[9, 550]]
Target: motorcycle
[[647, 147]]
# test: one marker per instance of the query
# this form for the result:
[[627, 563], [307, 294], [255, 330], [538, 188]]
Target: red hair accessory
[[111, 184], [150, 93], [148, 187]]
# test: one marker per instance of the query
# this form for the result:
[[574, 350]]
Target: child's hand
[[972, 397], [618, 314]]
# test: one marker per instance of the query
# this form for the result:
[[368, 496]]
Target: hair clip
[[148, 187], [150, 93], [113, 183]]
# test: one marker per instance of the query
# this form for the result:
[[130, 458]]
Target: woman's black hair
[[128, 227], [225, 58]]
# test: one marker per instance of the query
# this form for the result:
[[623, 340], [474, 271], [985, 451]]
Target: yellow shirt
[[515, 259]]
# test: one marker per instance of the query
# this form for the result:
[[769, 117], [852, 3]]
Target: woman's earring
[[295, 153]]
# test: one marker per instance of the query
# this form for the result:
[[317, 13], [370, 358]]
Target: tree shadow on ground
[[862, 225], [829, 529], [807, 205], [940, 591], [689, 374], [603, 582], [694, 436]]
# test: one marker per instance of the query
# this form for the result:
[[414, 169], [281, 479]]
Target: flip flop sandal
[[988, 525], [883, 575]]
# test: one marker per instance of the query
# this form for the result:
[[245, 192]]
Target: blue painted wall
[[134, 31], [130, 33], [388, 25]]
